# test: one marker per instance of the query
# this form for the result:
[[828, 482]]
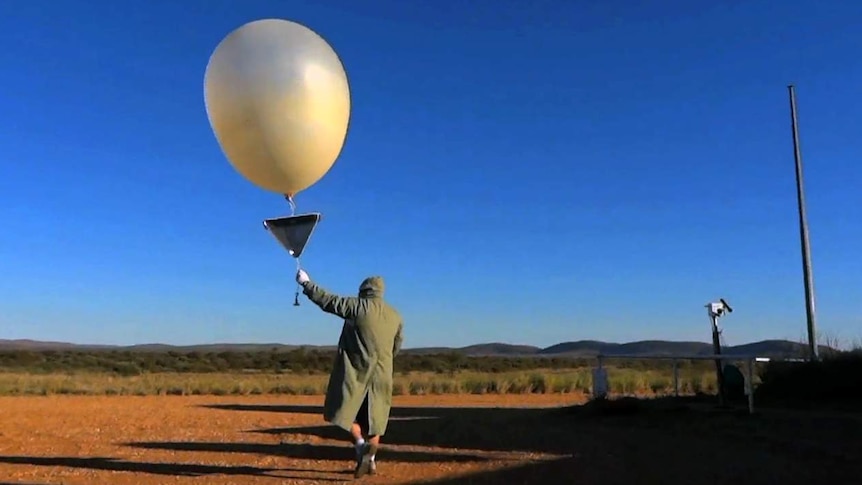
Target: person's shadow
[[673, 441], [172, 469]]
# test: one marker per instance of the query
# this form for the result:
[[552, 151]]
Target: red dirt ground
[[432, 439]]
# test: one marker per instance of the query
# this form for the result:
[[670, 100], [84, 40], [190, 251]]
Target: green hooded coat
[[370, 339]]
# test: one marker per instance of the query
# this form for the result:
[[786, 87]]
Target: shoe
[[366, 464], [359, 451]]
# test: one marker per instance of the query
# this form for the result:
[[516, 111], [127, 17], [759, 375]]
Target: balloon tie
[[298, 263], [291, 203]]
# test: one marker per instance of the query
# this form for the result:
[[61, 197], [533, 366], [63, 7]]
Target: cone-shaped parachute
[[278, 102]]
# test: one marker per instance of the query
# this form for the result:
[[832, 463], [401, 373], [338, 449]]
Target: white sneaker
[[366, 462]]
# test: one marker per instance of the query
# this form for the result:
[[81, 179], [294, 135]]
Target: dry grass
[[622, 382]]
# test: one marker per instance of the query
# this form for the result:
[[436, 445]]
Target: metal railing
[[599, 386]]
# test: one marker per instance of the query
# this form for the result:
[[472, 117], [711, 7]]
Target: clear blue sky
[[530, 174]]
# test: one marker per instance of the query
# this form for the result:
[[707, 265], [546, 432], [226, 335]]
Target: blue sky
[[526, 173]]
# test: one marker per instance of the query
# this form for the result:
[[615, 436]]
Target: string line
[[292, 204]]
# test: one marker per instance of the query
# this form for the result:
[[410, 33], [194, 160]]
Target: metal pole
[[803, 234], [749, 384], [719, 371]]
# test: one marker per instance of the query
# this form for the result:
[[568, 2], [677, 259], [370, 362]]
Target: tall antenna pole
[[803, 234]]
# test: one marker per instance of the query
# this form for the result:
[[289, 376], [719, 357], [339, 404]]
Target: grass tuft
[[542, 381]]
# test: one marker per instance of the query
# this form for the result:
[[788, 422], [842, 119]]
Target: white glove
[[302, 277]]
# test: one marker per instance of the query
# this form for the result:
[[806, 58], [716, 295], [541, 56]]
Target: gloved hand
[[302, 277]]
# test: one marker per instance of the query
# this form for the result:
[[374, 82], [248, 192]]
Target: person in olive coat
[[359, 393]]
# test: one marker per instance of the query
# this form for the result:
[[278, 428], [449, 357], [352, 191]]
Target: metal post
[[675, 378], [600, 381], [803, 233], [749, 384], [719, 371]]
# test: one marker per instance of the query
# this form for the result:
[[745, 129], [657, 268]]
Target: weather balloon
[[278, 102]]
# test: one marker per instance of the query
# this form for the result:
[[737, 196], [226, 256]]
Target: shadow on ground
[[172, 469], [303, 451], [627, 441], [669, 441]]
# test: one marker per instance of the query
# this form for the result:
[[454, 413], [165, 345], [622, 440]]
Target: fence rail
[[600, 374]]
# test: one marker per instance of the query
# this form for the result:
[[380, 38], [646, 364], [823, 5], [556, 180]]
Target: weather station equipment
[[716, 310]]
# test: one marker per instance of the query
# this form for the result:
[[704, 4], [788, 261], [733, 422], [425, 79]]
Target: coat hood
[[372, 286]]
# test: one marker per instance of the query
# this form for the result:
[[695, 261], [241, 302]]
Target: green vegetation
[[299, 360]]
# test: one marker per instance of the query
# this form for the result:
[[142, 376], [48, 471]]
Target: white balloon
[[278, 101]]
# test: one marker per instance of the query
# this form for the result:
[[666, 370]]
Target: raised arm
[[399, 340], [342, 306]]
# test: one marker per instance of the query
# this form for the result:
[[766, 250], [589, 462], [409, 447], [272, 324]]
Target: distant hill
[[581, 348], [764, 348], [155, 347], [591, 348], [480, 350], [224, 347], [25, 344]]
